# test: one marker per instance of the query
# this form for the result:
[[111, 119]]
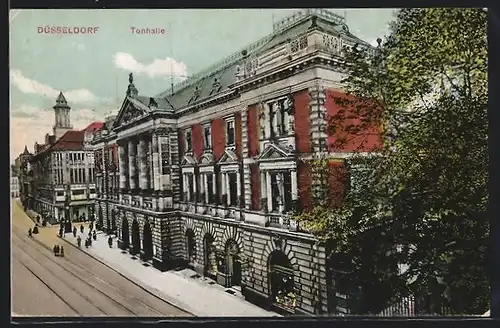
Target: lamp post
[[67, 219]]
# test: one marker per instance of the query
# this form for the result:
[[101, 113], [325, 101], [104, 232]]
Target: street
[[74, 285]]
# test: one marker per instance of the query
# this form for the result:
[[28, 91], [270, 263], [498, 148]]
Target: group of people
[[88, 240], [58, 250], [33, 231]]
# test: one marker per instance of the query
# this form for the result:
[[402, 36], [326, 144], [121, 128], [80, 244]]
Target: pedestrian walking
[[74, 232], [110, 242], [79, 241], [81, 228], [61, 251], [30, 233], [95, 235]]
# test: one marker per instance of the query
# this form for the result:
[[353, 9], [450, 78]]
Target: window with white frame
[[277, 118], [207, 136], [187, 139], [281, 191], [230, 133]]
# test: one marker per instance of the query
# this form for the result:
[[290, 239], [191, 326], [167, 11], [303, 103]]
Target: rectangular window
[[210, 187], [187, 135], [281, 191], [78, 192], [191, 187], [71, 176], [230, 132], [207, 137], [233, 192]]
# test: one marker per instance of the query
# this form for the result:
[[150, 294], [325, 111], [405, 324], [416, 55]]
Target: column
[[263, 188], [228, 190], [293, 176], [223, 183], [205, 186], [143, 165], [156, 162], [269, 192], [188, 188], [194, 187], [123, 163], [149, 161], [132, 171], [238, 188]]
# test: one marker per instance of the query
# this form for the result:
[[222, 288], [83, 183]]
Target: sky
[[92, 69]]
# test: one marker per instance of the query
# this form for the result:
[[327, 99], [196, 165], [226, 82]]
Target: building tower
[[62, 119]]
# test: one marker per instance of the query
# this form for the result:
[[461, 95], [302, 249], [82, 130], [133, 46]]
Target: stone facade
[[211, 175]]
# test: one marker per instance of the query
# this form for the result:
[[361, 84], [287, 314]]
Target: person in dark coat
[[86, 243], [79, 241], [95, 235], [56, 250], [74, 231], [35, 229], [90, 241], [81, 228], [110, 241], [61, 251], [30, 233]]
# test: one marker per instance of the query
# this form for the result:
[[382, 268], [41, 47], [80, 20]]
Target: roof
[[204, 84], [26, 152], [61, 101], [71, 140], [94, 126]]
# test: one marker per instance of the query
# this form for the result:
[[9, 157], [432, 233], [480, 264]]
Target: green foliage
[[425, 88]]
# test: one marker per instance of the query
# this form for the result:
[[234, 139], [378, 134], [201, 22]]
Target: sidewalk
[[191, 294]]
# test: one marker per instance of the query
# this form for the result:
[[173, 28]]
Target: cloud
[[159, 67], [79, 46], [29, 124], [27, 85]]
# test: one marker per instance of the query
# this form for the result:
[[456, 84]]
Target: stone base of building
[[167, 264], [256, 297]]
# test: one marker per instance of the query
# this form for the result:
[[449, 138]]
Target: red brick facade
[[253, 130], [302, 122], [362, 142], [218, 137], [197, 140]]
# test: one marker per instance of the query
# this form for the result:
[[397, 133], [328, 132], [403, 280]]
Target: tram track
[[46, 285], [119, 298], [83, 282]]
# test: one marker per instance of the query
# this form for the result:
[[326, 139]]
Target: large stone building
[[14, 184], [62, 169], [210, 173]]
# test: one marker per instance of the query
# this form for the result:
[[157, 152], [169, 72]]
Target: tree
[[425, 90]]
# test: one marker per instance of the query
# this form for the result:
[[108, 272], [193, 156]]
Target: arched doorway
[[125, 233], [147, 242], [210, 260], [233, 263], [136, 237], [281, 280], [190, 245], [100, 220]]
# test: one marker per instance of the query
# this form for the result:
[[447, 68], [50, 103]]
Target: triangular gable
[[206, 159], [188, 160], [130, 109], [274, 152], [228, 157]]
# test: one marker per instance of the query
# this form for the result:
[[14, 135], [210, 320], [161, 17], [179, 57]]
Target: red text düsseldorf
[[156, 30], [68, 29]]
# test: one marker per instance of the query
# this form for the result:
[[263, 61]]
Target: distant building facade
[[62, 169], [14, 185], [211, 175]]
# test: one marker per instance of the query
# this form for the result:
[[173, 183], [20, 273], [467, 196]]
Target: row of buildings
[[211, 174], [58, 180]]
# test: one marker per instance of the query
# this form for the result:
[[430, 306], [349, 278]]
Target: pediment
[[228, 157], [188, 160], [275, 152], [130, 109], [206, 159]]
